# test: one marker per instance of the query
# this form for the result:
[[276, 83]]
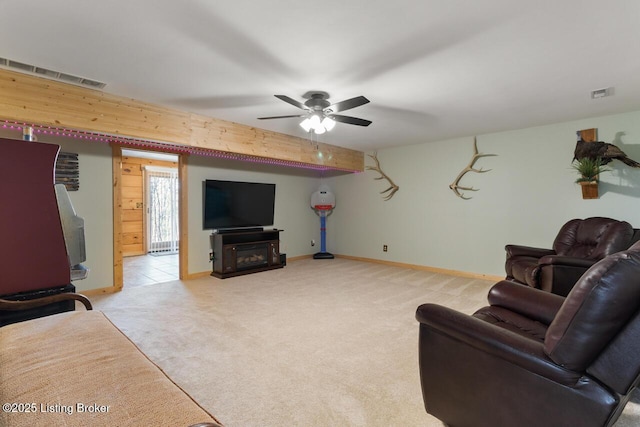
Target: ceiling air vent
[[601, 93], [50, 74]]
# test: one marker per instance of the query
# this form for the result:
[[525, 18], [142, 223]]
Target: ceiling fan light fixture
[[328, 123], [319, 115], [306, 124], [318, 125], [315, 121]]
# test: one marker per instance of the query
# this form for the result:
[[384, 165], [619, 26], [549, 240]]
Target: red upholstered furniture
[[580, 243], [533, 358], [33, 254]]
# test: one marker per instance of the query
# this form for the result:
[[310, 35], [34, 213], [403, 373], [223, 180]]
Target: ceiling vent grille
[[601, 93], [50, 74]]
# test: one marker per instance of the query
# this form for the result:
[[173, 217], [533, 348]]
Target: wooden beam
[[116, 164], [34, 100], [183, 223]]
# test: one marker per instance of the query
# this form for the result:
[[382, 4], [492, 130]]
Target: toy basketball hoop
[[323, 207], [323, 202]]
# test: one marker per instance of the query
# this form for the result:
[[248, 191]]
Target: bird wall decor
[[603, 150]]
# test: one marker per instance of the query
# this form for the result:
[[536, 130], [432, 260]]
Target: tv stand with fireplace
[[244, 252]]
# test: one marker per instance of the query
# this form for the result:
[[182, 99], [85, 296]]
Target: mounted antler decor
[[469, 168], [393, 188]]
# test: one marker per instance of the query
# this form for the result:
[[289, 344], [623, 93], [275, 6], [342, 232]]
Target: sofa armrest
[[39, 302], [533, 303], [518, 250], [559, 274], [567, 261], [498, 342]]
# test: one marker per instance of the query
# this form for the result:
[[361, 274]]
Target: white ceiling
[[432, 69]]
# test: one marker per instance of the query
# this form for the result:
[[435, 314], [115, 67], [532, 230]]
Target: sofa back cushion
[[593, 238], [605, 298]]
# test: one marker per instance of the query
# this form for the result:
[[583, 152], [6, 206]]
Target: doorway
[[149, 216], [162, 214]]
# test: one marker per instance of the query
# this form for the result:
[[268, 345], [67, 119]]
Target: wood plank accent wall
[[134, 203], [35, 100]]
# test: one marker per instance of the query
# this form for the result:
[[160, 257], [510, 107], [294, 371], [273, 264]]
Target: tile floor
[[148, 269]]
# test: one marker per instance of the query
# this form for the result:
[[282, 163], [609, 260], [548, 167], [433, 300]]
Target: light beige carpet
[[317, 343]]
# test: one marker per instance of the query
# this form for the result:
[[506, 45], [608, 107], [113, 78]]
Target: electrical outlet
[[313, 242], [384, 248], [210, 256]]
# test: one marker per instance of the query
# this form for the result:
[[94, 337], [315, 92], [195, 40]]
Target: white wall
[[525, 198]]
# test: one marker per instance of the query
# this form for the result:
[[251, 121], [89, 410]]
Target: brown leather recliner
[[579, 244], [533, 358]]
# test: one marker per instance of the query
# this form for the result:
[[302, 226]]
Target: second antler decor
[[393, 188], [469, 168]]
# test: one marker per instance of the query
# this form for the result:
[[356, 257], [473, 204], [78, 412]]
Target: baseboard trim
[[199, 275], [458, 273]]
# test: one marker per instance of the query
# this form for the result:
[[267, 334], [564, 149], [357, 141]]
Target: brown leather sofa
[[580, 243], [533, 358]]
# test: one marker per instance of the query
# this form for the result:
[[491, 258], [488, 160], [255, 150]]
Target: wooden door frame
[[183, 255]]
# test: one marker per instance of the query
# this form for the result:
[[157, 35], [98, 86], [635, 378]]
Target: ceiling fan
[[320, 113]]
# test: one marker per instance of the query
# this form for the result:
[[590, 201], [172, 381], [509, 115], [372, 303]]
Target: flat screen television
[[236, 205]]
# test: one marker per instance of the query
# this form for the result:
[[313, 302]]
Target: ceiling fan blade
[[347, 104], [350, 120], [292, 101], [281, 117]]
